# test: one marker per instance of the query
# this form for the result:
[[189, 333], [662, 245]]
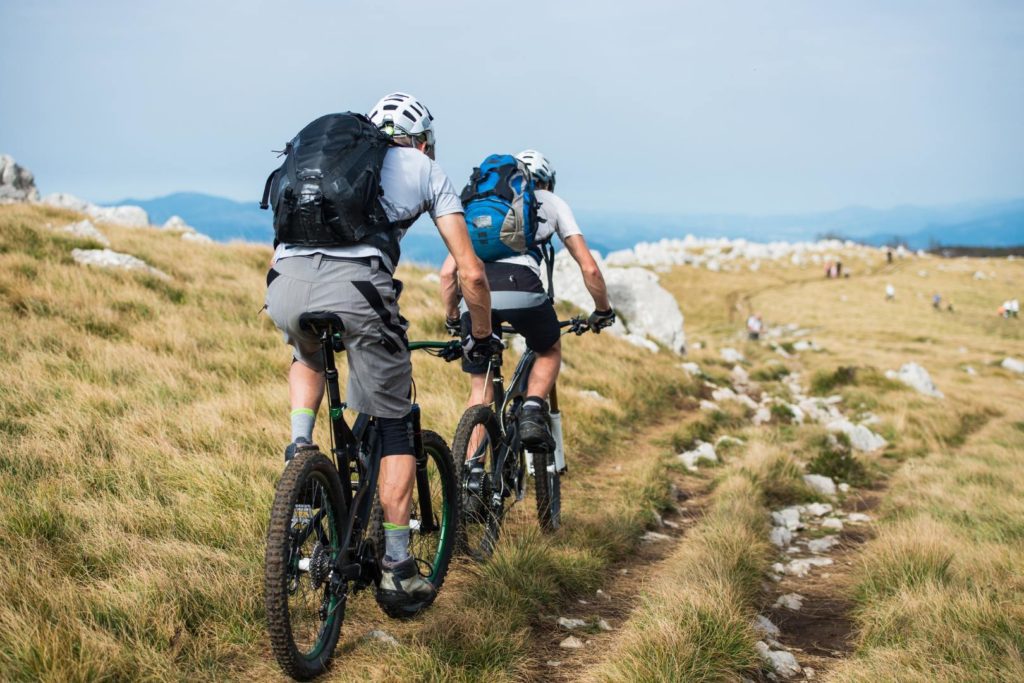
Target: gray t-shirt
[[413, 184]]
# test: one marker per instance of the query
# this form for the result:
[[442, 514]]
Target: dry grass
[[141, 435]]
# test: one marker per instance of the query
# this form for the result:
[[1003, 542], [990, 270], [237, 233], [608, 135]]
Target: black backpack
[[327, 192]]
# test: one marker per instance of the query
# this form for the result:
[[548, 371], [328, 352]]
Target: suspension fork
[[427, 524]]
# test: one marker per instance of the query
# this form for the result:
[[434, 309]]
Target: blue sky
[[749, 107]]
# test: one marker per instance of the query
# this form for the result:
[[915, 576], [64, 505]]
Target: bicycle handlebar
[[448, 350], [577, 326]]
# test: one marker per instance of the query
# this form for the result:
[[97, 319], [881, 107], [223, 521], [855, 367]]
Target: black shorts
[[518, 300]]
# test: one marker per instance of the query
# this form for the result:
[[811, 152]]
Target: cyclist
[[355, 282], [518, 299]]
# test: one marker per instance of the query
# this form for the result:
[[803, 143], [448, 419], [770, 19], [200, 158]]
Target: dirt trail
[[821, 632], [617, 597]]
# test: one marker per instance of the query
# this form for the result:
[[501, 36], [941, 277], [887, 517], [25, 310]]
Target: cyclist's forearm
[[450, 288], [594, 282], [592, 277], [478, 300]]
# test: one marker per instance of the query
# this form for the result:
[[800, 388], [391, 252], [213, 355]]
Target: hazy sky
[[648, 106]]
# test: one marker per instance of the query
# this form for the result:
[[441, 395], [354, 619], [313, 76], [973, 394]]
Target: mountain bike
[[326, 538], [488, 436]]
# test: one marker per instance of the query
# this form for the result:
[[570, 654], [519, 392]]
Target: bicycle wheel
[[478, 438], [431, 539], [304, 538], [548, 489]]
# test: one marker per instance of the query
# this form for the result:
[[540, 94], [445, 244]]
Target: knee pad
[[396, 435]]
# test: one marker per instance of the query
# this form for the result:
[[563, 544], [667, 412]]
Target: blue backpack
[[501, 209]]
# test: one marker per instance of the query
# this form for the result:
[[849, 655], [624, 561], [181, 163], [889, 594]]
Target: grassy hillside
[[141, 433], [143, 422]]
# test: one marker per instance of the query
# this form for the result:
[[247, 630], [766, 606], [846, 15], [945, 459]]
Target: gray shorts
[[366, 298]]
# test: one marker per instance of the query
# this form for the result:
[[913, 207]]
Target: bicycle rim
[[304, 538]]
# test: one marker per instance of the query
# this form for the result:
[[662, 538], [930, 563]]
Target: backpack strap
[[547, 250], [265, 202]]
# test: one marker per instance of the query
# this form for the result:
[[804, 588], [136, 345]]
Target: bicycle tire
[[448, 502], [482, 511], [309, 489], [548, 488]]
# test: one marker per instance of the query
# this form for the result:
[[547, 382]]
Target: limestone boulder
[[645, 308], [917, 378], [17, 184]]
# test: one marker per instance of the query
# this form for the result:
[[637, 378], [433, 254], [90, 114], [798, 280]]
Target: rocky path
[[564, 644]]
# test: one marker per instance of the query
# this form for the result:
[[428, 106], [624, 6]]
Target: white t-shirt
[[413, 184], [555, 217]]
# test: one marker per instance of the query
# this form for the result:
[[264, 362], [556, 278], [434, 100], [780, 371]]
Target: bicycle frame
[[356, 452]]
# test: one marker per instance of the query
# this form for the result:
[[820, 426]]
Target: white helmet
[[539, 166], [402, 114]]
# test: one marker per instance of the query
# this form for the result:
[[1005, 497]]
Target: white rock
[[382, 636], [650, 309], [971, 371], [592, 395], [740, 377], [708, 405], [788, 518], [691, 368], [654, 537], [63, 200], [802, 567], [1013, 364], [723, 394], [803, 345], [821, 484], [844, 487], [17, 184], [861, 438], [554, 662], [857, 517], [432, 277], [833, 523], [731, 355], [197, 237], [570, 624], [823, 544], [725, 439], [105, 258], [916, 377], [177, 223], [87, 230], [604, 625], [126, 216], [818, 509], [780, 536], [764, 626], [762, 416], [791, 601], [703, 451], [782, 663], [571, 643]]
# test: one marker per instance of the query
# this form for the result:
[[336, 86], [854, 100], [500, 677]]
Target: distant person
[[890, 292], [839, 269], [1014, 308], [888, 255], [937, 301], [949, 307], [754, 326]]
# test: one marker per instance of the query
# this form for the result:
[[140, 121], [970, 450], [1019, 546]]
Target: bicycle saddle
[[318, 321]]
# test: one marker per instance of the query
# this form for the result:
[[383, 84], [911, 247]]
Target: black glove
[[453, 326], [598, 320], [476, 349]]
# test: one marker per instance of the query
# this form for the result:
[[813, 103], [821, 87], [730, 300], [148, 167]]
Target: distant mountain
[[220, 218], [989, 224]]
